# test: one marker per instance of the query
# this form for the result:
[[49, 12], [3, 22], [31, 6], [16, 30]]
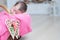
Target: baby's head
[[19, 7]]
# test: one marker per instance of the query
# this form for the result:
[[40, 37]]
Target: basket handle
[[5, 8]]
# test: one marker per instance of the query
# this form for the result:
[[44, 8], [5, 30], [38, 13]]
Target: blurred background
[[45, 16]]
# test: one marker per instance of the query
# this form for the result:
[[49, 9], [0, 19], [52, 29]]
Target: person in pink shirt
[[17, 12]]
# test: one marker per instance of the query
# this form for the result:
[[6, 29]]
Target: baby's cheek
[[12, 12]]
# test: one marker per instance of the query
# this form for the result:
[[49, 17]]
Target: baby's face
[[15, 9]]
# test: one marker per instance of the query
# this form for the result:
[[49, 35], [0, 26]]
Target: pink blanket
[[25, 26]]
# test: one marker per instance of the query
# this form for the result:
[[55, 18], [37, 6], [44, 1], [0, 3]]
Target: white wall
[[38, 8], [10, 3], [58, 7]]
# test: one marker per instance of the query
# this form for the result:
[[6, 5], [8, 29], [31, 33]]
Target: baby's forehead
[[18, 6]]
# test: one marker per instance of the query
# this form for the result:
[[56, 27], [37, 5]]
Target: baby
[[18, 12], [19, 8]]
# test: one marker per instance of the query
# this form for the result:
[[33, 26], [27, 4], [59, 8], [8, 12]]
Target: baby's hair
[[23, 7]]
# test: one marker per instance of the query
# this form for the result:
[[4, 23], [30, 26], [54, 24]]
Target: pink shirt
[[25, 26]]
